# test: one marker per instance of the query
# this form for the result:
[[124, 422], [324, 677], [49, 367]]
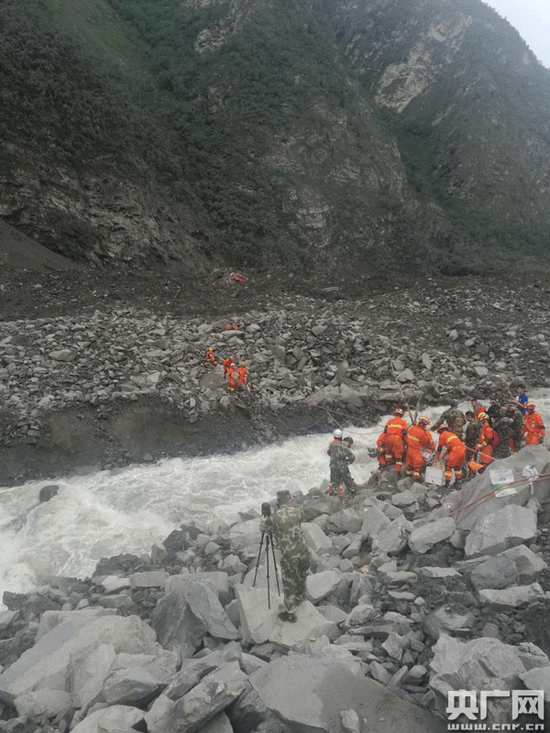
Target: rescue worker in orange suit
[[396, 430], [487, 440], [456, 453], [231, 377], [533, 429], [210, 356], [418, 439], [226, 364], [242, 376]]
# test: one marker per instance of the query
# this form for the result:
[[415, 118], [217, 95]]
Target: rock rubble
[[398, 613]]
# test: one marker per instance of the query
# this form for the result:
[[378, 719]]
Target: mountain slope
[[330, 134]]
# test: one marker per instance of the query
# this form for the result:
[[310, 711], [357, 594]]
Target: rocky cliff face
[[100, 217]]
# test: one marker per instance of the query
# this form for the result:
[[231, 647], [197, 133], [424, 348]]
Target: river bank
[[99, 371]]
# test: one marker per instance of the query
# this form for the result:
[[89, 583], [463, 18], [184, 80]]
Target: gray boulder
[[481, 664], [46, 665], [183, 616], [394, 537], [309, 693], [320, 585], [502, 570], [422, 538], [115, 719], [510, 526], [211, 696], [257, 620], [315, 537], [310, 624], [513, 597], [374, 521]]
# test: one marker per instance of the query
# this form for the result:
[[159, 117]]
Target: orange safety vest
[[395, 426]]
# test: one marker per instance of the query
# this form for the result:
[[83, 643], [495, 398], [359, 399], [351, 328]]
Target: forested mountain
[[362, 136]]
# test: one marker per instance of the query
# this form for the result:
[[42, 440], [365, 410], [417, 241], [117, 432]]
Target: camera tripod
[[266, 535]]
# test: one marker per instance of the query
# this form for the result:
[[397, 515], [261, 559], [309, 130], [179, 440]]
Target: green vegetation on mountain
[[294, 132]]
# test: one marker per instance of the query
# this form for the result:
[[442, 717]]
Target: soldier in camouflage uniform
[[514, 412], [340, 459], [454, 418], [285, 524], [504, 425], [472, 434]]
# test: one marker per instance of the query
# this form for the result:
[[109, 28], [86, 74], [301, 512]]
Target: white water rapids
[[112, 512]]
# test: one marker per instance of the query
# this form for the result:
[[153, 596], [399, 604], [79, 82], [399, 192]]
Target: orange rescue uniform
[[396, 429], [242, 377], [231, 377], [456, 455], [533, 428], [226, 364], [487, 440], [381, 447], [417, 438], [210, 357]]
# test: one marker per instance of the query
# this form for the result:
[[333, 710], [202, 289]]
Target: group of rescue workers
[[467, 443], [237, 376]]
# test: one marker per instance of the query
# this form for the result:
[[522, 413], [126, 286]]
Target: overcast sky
[[532, 20]]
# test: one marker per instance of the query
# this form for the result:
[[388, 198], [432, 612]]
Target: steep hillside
[[85, 168], [361, 137]]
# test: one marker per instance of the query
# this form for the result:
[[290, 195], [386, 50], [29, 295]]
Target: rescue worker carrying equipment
[[534, 429], [488, 439], [456, 453], [418, 439], [395, 429]]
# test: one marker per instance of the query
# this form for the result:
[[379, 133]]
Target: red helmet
[[443, 427], [530, 406], [399, 411], [423, 420]]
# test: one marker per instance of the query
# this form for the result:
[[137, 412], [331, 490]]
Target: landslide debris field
[[103, 369]]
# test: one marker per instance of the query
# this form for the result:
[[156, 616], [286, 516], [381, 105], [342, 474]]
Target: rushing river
[[112, 512]]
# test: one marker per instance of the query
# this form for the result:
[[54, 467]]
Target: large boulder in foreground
[[47, 664], [309, 693], [114, 719], [482, 664]]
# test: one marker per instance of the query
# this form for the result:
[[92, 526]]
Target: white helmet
[[337, 433]]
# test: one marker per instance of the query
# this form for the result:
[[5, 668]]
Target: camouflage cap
[[283, 495]]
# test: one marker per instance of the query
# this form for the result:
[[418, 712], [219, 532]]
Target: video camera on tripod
[[267, 534]]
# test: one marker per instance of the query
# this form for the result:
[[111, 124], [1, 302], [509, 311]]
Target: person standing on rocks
[[522, 398], [418, 439], [242, 376], [454, 418], [340, 459], [210, 356], [227, 363], [396, 430], [285, 524], [456, 453], [513, 411], [534, 429], [231, 377], [488, 438], [473, 427]]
